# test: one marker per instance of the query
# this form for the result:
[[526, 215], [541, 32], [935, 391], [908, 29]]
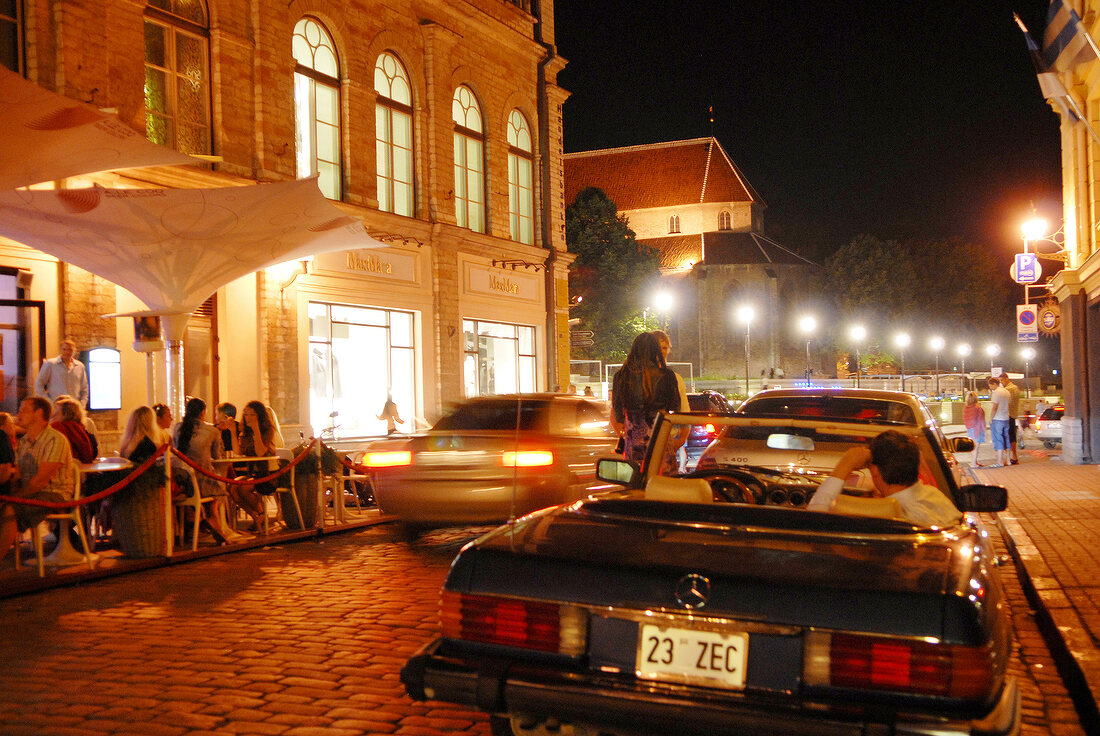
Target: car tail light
[[388, 459], [527, 459], [916, 666], [546, 627], [709, 429], [1038, 425]]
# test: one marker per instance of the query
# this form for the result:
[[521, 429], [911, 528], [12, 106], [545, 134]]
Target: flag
[[1066, 43], [1049, 83]]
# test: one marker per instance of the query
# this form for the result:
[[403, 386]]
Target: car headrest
[[683, 490], [882, 508]]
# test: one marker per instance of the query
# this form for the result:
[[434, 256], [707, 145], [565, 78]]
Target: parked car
[[689, 603], [1048, 427], [493, 458], [701, 435]]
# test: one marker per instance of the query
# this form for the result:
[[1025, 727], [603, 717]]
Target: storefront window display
[[500, 358], [358, 356]]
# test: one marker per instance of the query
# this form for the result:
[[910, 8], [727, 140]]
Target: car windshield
[[498, 414], [848, 408], [1053, 413]]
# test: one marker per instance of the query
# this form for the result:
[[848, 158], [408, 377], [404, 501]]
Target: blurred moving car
[[689, 603], [492, 458], [1048, 427], [701, 435]]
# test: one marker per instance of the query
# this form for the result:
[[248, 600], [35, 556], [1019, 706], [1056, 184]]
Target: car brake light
[[916, 666], [709, 429], [527, 459], [546, 627], [1038, 425], [388, 459]]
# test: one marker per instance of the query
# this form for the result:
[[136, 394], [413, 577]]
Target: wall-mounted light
[[515, 263], [285, 273]]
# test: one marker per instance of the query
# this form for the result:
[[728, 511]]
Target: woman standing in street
[[643, 387], [974, 419]]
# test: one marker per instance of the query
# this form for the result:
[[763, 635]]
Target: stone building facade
[[437, 123], [691, 202]]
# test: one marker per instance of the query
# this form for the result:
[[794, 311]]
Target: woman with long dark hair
[[202, 443], [257, 440], [643, 387]]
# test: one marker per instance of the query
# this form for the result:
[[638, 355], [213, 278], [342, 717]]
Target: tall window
[[469, 161], [521, 195], [177, 84], [500, 358], [393, 136], [674, 224], [724, 220], [11, 35], [317, 106]]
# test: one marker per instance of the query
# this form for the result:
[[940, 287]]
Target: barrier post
[[169, 534], [319, 489]]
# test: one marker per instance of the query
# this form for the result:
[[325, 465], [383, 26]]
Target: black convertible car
[[709, 602]]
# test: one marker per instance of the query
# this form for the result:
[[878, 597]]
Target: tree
[[871, 276], [610, 273]]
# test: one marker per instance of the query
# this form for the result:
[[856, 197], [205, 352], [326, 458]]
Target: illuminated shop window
[[724, 220], [393, 136], [521, 192], [469, 152], [499, 359], [317, 106], [358, 356], [177, 85], [674, 224], [11, 35]]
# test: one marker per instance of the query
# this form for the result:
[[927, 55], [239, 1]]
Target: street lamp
[[1034, 229], [964, 350], [1028, 354], [902, 340], [858, 333], [936, 343], [807, 324], [992, 351], [662, 304], [745, 313]]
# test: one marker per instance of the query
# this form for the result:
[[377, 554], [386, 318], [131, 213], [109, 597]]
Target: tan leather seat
[[883, 508], [683, 490]]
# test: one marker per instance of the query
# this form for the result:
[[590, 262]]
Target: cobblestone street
[[302, 639]]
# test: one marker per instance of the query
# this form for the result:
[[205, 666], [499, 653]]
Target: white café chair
[[72, 515], [194, 502], [288, 455]]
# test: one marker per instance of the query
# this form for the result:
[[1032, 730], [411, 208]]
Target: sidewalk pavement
[[1052, 529]]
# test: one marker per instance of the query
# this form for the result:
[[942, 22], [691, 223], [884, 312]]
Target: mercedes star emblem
[[692, 591]]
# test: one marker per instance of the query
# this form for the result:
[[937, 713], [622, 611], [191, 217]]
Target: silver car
[[493, 458]]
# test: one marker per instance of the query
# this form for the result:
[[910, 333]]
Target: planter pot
[[137, 516], [305, 487]]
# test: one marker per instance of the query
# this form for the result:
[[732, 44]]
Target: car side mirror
[[962, 444], [982, 498], [617, 470]]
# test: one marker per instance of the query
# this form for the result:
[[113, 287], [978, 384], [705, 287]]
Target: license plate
[[693, 656]]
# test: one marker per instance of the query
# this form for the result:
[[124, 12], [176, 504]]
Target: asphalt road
[[302, 639]]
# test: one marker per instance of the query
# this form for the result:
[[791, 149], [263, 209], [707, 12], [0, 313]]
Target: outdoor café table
[[64, 554]]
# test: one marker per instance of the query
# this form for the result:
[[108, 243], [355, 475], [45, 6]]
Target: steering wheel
[[732, 487]]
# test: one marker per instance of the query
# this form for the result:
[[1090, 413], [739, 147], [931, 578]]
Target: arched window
[[723, 220], [177, 82], [521, 192], [469, 141], [674, 224], [11, 35], [393, 136], [317, 106]]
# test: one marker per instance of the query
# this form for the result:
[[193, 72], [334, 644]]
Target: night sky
[[900, 119]]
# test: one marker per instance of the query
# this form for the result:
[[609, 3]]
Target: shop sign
[[1049, 318], [501, 283], [384, 263]]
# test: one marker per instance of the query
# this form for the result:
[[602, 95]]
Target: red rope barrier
[[245, 481], [95, 497]]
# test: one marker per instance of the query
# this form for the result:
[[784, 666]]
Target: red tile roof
[[659, 175], [720, 247]]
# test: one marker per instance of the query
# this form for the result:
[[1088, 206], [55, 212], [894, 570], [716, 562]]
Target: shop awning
[[47, 136], [173, 248]]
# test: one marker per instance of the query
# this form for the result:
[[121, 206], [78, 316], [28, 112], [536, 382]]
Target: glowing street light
[[807, 324], [745, 313], [992, 351], [1035, 228], [964, 350], [1028, 355], [858, 333], [937, 343], [902, 340], [662, 304]]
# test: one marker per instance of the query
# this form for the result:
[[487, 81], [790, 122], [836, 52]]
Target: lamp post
[[807, 324], [1028, 354], [992, 351], [964, 350], [902, 340], [936, 343], [858, 333], [745, 313], [662, 304], [1033, 229]]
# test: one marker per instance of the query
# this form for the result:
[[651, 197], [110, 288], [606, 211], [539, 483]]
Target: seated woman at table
[[68, 419], [202, 443], [257, 440], [142, 436]]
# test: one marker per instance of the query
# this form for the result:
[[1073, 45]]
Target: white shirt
[[56, 379], [923, 505], [1000, 398]]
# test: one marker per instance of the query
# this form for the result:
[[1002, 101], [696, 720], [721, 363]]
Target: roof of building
[[659, 175], [722, 247]]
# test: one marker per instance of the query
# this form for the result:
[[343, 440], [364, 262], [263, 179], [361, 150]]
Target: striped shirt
[[48, 447]]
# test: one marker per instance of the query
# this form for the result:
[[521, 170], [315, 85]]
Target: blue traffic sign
[[1026, 269]]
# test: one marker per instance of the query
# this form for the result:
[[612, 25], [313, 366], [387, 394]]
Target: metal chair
[[185, 472], [64, 549]]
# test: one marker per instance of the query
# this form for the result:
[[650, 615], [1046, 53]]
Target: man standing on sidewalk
[[1013, 415], [998, 421], [63, 375]]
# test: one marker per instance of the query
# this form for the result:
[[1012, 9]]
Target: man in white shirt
[[999, 420], [63, 375], [893, 460]]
